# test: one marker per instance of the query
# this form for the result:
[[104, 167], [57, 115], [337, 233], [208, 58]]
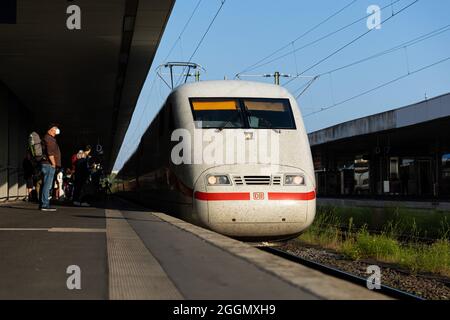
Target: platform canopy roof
[[417, 116], [87, 80]]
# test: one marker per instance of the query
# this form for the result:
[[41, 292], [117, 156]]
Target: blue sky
[[247, 31]]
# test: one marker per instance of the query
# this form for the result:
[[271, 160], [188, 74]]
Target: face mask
[[57, 131]]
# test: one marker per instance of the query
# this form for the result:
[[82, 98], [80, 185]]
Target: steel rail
[[387, 290]]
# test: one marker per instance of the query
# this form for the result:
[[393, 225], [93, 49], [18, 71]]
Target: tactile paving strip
[[133, 271]]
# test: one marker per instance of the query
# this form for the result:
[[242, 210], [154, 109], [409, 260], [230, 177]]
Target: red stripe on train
[[226, 196], [292, 195], [222, 196]]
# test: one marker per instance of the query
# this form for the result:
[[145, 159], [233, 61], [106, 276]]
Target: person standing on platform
[[50, 162], [82, 172]]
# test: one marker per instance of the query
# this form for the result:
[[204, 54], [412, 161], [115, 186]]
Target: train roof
[[231, 88]]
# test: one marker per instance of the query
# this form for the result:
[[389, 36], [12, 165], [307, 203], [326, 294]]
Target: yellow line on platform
[[74, 230], [80, 230], [23, 229], [134, 273]]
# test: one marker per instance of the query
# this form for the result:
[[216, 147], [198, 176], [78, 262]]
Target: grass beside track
[[398, 239]]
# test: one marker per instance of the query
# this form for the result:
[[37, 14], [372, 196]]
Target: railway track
[[389, 291]]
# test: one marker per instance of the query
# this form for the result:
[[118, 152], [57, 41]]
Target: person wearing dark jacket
[[82, 173], [51, 161]]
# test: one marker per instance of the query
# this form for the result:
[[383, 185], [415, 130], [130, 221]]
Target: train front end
[[244, 203], [254, 179]]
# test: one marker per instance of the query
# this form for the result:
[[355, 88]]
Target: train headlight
[[218, 180], [294, 180]]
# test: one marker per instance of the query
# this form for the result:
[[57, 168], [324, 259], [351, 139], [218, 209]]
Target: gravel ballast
[[425, 286]]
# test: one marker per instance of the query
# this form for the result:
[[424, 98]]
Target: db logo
[[258, 195]]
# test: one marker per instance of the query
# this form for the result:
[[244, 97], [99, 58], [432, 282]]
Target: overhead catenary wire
[[133, 142], [301, 87], [317, 40], [136, 128], [378, 87], [295, 59], [401, 46], [204, 35], [161, 99], [178, 39], [351, 42], [308, 84], [291, 43], [183, 29], [181, 33]]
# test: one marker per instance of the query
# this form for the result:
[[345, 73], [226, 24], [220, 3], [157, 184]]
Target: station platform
[[127, 252]]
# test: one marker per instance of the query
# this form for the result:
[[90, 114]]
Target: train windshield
[[243, 113], [217, 113], [269, 113]]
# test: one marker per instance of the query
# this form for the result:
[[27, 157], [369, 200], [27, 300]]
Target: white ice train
[[241, 196]]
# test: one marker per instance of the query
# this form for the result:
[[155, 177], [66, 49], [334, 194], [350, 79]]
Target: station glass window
[[407, 169], [446, 166], [407, 172], [393, 168], [361, 176]]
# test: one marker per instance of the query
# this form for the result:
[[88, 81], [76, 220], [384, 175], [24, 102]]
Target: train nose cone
[[252, 209]]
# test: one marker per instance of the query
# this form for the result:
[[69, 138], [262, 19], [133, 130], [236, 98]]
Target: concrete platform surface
[[126, 252]]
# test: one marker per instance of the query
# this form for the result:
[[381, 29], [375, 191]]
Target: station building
[[402, 153]]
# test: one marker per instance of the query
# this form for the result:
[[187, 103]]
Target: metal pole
[[277, 78], [187, 74]]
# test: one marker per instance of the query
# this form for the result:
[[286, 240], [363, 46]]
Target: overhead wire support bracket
[[307, 86], [172, 65], [277, 75]]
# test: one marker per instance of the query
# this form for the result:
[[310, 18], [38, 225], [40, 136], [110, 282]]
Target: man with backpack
[[50, 161]]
